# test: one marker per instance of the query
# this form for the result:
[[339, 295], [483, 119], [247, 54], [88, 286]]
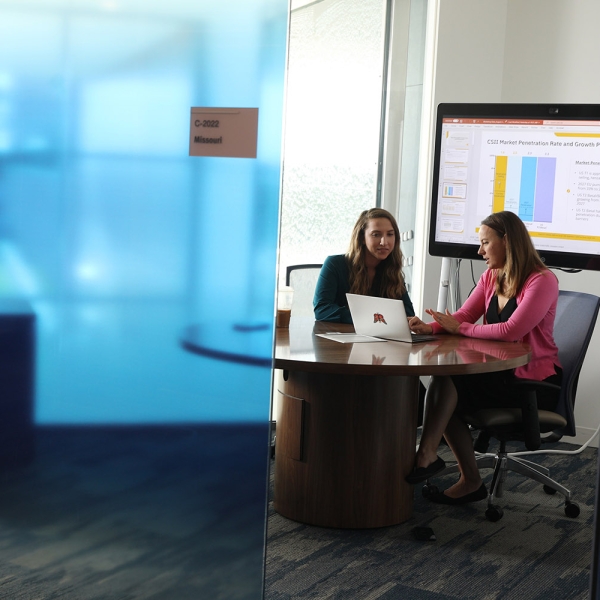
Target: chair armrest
[[529, 410]]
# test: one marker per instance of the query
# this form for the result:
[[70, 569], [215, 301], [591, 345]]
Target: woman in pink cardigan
[[517, 298]]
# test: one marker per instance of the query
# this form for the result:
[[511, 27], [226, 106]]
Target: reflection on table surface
[[300, 348]]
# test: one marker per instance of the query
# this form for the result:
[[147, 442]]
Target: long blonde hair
[[522, 258], [392, 276]]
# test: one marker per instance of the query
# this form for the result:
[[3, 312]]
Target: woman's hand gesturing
[[446, 320]]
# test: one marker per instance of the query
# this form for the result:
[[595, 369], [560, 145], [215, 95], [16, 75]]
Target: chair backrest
[[576, 315], [303, 278]]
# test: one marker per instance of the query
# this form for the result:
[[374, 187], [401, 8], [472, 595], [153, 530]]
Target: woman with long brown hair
[[371, 267], [516, 296]]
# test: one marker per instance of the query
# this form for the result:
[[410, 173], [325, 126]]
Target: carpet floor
[[534, 552]]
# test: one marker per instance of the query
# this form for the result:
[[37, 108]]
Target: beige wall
[[516, 51]]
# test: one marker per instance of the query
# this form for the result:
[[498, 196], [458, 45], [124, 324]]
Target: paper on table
[[347, 338]]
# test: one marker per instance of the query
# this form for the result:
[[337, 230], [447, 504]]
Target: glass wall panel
[[333, 117], [409, 169], [148, 475], [109, 229]]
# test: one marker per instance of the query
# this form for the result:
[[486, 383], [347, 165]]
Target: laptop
[[383, 318]]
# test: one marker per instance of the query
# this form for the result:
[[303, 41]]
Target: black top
[[493, 316]]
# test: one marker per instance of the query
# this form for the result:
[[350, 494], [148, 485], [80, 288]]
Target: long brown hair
[[392, 276], [522, 258]]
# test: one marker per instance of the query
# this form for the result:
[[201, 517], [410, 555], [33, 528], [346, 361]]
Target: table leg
[[344, 446]]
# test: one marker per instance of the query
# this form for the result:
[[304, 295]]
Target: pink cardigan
[[531, 322]]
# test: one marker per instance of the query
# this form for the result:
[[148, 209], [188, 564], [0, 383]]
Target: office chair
[[303, 279], [576, 315], [595, 569]]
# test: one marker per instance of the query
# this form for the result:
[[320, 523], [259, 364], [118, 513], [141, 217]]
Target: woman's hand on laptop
[[418, 326]]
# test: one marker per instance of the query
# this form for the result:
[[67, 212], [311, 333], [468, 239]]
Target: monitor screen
[[539, 161]]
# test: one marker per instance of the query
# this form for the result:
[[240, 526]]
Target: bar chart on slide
[[525, 185], [555, 190]]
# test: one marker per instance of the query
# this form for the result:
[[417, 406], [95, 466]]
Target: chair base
[[501, 463]]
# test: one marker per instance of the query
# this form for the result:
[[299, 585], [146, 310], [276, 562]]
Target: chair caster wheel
[[428, 490], [550, 491], [494, 513], [571, 509]]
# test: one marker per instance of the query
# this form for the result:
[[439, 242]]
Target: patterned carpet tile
[[533, 552]]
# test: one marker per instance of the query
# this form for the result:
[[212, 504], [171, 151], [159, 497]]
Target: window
[[333, 120]]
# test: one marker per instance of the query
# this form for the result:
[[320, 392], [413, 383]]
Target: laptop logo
[[379, 318]]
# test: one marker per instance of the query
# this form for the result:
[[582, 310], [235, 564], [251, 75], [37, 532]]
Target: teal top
[[330, 301]]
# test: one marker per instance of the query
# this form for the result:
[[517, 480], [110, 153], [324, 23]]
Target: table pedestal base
[[344, 445]]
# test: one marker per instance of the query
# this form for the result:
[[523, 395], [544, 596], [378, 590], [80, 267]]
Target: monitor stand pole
[[444, 284]]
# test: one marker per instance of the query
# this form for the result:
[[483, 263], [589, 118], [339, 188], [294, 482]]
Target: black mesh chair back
[[576, 315]]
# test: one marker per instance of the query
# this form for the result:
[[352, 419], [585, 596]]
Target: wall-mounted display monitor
[[540, 161]]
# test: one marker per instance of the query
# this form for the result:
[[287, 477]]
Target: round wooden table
[[347, 419]]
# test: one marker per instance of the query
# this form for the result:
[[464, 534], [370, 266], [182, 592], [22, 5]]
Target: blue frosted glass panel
[[114, 234]]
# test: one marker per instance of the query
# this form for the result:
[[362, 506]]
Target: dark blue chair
[[576, 315]]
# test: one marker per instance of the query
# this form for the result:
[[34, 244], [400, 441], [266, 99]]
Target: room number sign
[[231, 132]]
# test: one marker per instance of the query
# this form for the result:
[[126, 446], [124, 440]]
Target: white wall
[[552, 51], [468, 66], [519, 51], [553, 55]]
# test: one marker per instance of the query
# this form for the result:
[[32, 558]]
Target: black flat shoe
[[420, 474], [476, 496]]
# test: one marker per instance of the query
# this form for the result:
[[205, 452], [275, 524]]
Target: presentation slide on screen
[[547, 172]]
